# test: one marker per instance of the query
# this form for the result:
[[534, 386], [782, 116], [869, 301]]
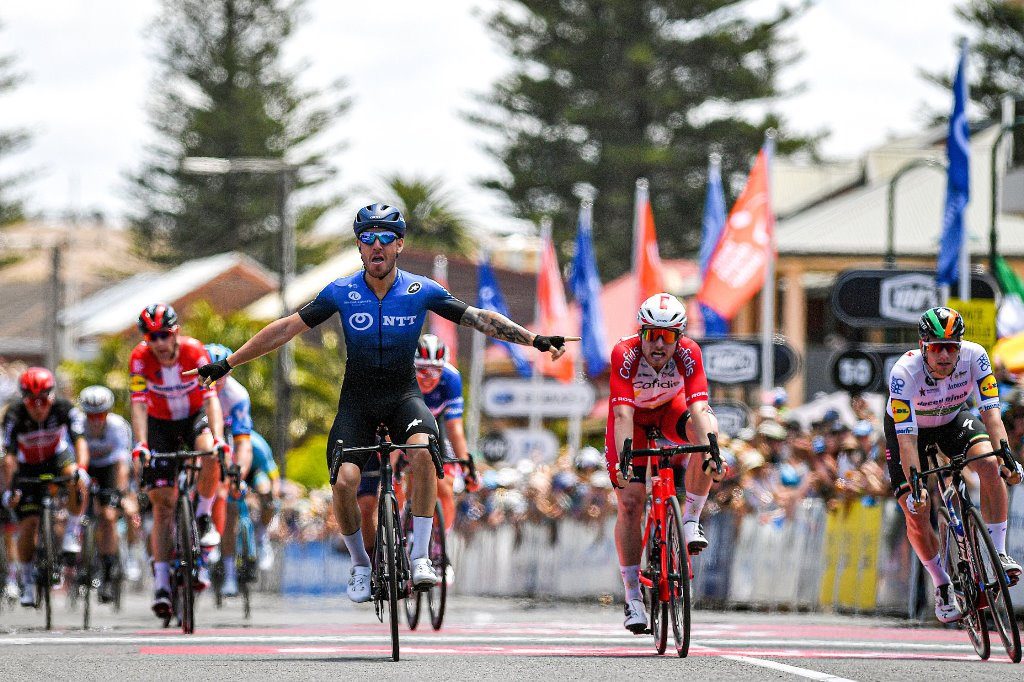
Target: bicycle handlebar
[[46, 478], [384, 448], [917, 478], [628, 453]]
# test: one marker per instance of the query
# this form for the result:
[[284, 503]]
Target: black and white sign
[[512, 445], [884, 298], [732, 416], [738, 361], [866, 366], [519, 397]]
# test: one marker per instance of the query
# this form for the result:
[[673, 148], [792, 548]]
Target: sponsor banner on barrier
[[852, 535], [1015, 541], [314, 568]]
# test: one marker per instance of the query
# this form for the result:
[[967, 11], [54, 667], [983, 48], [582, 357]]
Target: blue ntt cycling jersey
[[446, 398], [381, 334]]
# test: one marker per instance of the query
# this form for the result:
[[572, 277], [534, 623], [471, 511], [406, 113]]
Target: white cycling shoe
[[636, 616], [359, 584], [946, 609], [1011, 567], [70, 544], [423, 576], [693, 534], [28, 593]]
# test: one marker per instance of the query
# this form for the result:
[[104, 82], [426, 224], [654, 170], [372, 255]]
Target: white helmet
[[662, 310], [96, 399], [431, 352]]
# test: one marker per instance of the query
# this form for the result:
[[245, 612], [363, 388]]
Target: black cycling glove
[[215, 370], [546, 343]]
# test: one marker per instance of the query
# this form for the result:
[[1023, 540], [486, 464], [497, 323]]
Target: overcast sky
[[412, 67]]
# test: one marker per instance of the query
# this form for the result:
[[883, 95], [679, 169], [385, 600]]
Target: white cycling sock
[[998, 533], [162, 575], [356, 549], [937, 571], [229, 566], [631, 581], [205, 506], [12, 571], [73, 524], [693, 507], [26, 572], [421, 527]]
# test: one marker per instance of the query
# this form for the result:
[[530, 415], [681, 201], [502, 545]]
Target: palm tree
[[429, 214]]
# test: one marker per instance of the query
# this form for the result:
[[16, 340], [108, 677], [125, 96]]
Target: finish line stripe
[[791, 669]]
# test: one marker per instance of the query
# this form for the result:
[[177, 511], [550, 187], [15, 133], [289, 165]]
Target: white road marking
[[791, 669]]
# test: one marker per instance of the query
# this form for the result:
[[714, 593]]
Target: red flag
[[646, 261], [553, 310], [738, 267], [443, 329]]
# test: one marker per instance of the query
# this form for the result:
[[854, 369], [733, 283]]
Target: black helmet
[[941, 323], [379, 215]]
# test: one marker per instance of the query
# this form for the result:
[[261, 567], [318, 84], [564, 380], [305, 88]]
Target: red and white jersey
[[634, 382], [167, 394]]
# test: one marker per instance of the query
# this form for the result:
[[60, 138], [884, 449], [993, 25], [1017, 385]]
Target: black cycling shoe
[[105, 593], [162, 604]]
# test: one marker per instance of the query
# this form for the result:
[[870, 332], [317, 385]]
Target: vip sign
[[905, 297]]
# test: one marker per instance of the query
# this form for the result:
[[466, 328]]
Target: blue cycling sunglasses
[[385, 237]]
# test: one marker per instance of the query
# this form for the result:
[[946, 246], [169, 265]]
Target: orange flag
[[440, 327], [738, 267], [646, 261], [553, 311]]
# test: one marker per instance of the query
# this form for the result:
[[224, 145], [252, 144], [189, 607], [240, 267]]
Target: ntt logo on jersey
[[900, 411], [360, 321], [989, 387]]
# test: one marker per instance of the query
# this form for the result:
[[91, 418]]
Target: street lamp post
[[283, 366], [992, 236], [890, 240]]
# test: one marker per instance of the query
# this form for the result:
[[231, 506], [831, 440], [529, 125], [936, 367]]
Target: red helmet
[[158, 317], [36, 381]]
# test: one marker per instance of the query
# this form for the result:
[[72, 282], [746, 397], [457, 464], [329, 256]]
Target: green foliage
[[308, 464], [223, 92], [315, 383], [996, 59], [607, 91], [12, 140], [429, 214]]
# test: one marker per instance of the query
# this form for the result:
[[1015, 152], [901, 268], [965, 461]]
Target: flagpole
[[574, 432], [476, 375], [768, 291], [537, 380], [965, 246], [640, 198]]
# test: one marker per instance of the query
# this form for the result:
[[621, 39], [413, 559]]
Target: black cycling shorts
[[30, 503], [360, 412], [105, 478], [171, 436], [957, 436]]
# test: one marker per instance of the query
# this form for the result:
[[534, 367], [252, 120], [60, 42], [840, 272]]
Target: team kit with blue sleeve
[[380, 341]]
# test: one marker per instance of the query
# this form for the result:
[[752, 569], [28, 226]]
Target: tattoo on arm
[[496, 326]]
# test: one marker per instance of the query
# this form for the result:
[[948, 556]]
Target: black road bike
[[390, 577], [980, 585], [89, 570]]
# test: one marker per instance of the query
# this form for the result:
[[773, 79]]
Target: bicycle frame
[[662, 487]]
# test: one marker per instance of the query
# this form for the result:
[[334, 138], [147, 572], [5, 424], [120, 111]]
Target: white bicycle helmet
[[664, 311], [96, 399], [431, 352]]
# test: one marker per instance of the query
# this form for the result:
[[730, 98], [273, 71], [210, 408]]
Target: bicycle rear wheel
[[438, 594], [247, 567], [414, 602], [50, 563], [188, 543], [86, 570], [965, 590], [392, 568], [678, 561], [996, 586]]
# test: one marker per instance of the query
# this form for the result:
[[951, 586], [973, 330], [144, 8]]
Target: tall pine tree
[[12, 140], [223, 91], [606, 91]]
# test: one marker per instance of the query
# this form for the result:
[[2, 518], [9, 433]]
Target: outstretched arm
[[271, 337], [496, 326]]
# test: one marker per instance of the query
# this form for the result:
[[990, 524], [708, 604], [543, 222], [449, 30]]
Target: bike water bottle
[[954, 518]]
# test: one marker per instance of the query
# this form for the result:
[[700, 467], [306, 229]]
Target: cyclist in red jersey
[[42, 435], [170, 413], [657, 379]]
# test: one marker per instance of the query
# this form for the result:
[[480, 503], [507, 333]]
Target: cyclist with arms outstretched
[[382, 310], [929, 390], [657, 380]]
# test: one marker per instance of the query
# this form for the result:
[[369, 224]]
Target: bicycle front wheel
[[651, 569], [188, 543], [247, 570], [414, 602], [438, 594], [393, 568], [965, 590], [678, 563], [86, 570], [996, 586]]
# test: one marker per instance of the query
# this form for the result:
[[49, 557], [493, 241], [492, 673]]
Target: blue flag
[[586, 289], [958, 180], [712, 227], [488, 297]]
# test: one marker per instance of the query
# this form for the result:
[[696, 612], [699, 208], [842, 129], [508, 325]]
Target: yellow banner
[[852, 534], [979, 319]]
